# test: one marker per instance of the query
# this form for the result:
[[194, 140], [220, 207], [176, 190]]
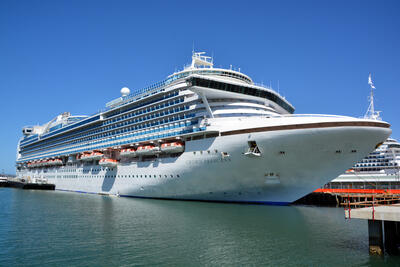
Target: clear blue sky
[[58, 56]]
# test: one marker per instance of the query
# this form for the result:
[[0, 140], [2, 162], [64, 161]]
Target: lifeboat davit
[[108, 162], [146, 150], [172, 147], [95, 155], [128, 152]]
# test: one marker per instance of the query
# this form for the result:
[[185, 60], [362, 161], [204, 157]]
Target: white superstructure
[[204, 133]]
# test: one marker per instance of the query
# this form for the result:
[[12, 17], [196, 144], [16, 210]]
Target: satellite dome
[[125, 91]]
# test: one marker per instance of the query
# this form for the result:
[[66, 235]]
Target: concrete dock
[[383, 227], [383, 213]]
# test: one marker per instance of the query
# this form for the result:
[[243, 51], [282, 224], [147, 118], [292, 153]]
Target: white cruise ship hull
[[295, 160], [241, 141]]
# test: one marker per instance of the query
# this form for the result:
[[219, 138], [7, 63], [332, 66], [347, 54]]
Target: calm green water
[[71, 229]]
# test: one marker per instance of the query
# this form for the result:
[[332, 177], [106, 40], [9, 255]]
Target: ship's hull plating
[[292, 163]]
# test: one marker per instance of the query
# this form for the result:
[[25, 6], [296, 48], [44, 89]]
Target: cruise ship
[[379, 170], [203, 133]]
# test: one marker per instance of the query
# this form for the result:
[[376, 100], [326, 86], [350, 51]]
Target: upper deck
[[172, 107]]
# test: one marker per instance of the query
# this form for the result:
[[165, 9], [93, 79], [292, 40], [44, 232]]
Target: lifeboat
[[146, 150], [83, 156], [95, 155], [172, 147], [105, 162], [128, 152], [56, 162]]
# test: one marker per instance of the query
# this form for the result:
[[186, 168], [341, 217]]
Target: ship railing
[[138, 94], [263, 85], [307, 116]]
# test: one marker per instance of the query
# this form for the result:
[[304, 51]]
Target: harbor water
[[54, 228]]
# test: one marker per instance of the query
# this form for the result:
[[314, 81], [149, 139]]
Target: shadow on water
[[58, 228]]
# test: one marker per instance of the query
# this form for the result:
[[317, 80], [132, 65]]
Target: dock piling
[[375, 234]]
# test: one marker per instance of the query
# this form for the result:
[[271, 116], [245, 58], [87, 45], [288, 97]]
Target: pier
[[383, 225], [35, 184]]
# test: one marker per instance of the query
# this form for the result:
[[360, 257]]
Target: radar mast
[[201, 61], [371, 113]]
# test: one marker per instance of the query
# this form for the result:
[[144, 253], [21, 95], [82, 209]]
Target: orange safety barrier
[[357, 191]]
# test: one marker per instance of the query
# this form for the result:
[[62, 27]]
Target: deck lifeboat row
[[150, 149], [43, 163]]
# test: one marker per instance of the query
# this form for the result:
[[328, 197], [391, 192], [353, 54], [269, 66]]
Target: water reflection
[[58, 228]]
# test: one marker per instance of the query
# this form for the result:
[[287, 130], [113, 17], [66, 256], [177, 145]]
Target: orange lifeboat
[[95, 155], [128, 152], [84, 156], [145, 150], [172, 147], [105, 162], [57, 162]]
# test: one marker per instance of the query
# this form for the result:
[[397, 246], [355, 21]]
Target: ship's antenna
[[371, 113]]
